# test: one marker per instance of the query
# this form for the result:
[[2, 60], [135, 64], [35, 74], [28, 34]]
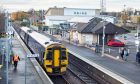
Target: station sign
[[32, 55]]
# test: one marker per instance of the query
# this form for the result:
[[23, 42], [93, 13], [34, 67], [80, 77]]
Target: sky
[[111, 5]]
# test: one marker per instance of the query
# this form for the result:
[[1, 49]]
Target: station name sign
[[32, 55]]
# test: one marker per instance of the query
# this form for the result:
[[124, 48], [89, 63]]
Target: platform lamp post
[[103, 37], [103, 47]]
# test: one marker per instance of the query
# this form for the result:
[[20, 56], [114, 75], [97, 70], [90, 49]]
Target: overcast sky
[[111, 5]]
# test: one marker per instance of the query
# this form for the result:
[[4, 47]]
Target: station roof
[[96, 26], [109, 28], [93, 22]]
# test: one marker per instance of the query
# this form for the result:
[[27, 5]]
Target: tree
[[19, 16]]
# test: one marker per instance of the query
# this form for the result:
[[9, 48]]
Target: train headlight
[[63, 69]]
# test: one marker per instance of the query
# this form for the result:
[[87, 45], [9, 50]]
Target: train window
[[49, 49], [63, 55], [49, 55], [63, 48], [43, 54]]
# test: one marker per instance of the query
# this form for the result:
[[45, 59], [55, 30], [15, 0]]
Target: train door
[[56, 58]]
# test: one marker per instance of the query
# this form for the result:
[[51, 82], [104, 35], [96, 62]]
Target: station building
[[92, 32]]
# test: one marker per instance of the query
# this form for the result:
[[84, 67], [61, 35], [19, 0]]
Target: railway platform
[[127, 70], [28, 71]]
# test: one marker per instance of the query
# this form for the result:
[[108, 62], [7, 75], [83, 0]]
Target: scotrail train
[[53, 56]]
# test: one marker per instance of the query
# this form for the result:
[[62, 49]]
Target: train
[[53, 56]]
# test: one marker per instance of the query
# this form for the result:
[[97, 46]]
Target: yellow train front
[[53, 56], [55, 59]]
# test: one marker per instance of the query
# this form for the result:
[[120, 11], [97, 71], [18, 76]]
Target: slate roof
[[96, 26], [88, 27], [109, 28], [81, 26]]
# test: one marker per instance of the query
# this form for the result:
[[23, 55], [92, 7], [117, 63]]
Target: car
[[115, 43]]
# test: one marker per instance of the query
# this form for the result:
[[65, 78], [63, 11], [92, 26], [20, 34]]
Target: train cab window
[[63, 53], [49, 54], [49, 49]]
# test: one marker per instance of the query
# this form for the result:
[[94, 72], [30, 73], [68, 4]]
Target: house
[[92, 32]]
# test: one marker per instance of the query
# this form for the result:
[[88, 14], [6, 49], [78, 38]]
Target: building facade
[[56, 16]]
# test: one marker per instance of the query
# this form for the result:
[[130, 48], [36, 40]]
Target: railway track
[[75, 76], [58, 80], [82, 76]]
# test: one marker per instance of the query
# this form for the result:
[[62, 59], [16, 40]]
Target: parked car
[[115, 43]]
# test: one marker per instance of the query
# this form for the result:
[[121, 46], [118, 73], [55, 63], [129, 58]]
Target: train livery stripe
[[56, 58]]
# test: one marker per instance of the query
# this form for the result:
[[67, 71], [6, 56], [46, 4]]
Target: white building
[[55, 16]]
